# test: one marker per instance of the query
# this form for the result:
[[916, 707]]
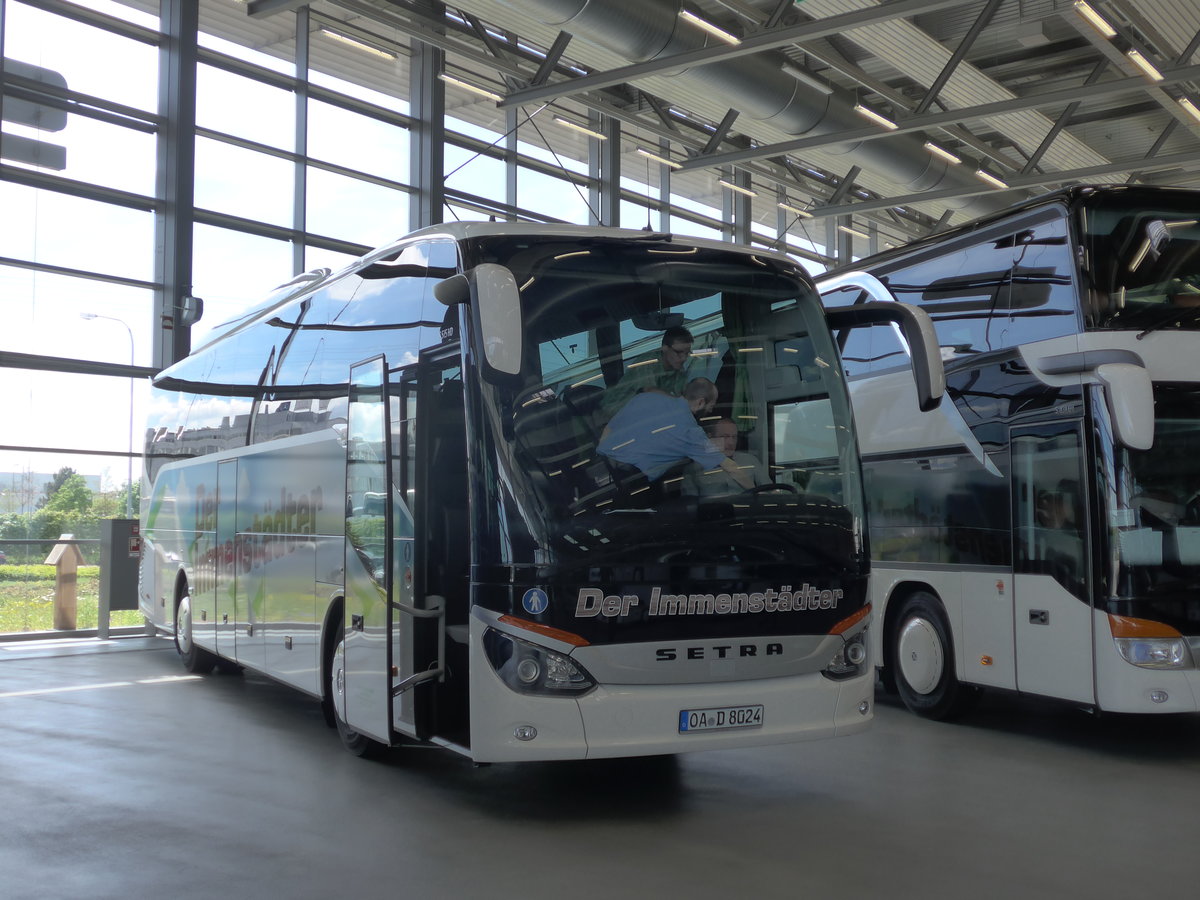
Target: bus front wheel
[[923, 658], [358, 744], [195, 659]]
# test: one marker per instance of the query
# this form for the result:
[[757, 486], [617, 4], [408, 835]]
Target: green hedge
[[27, 600], [39, 572]]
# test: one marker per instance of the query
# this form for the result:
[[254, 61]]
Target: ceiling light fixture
[[846, 229], [467, 86], [942, 153], [802, 213], [659, 159], [719, 33], [875, 117], [991, 179], [567, 123], [1094, 18], [807, 79], [1190, 108], [357, 44], [737, 187], [1144, 64]]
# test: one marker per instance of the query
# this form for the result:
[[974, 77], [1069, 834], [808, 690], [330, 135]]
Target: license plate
[[720, 717]]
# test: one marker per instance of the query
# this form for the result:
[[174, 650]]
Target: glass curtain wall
[[303, 157]]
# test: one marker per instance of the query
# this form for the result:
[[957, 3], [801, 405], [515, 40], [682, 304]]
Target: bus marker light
[[864, 707], [985, 660], [1158, 696], [850, 621], [1128, 627], [557, 634], [525, 732]]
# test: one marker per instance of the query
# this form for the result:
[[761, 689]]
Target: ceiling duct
[[757, 86]]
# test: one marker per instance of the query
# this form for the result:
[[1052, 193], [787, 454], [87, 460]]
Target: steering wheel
[[772, 488]]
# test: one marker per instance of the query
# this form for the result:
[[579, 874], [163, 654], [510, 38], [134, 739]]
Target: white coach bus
[[1040, 531], [383, 488]]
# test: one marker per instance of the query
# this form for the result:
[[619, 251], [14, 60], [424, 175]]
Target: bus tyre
[[195, 659], [335, 690], [923, 657]]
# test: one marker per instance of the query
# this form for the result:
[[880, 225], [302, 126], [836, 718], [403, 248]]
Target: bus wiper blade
[[1175, 317]]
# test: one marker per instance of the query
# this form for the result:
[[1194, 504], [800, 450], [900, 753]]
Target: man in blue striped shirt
[[655, 431]]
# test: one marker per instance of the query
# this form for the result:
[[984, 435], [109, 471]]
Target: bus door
[[368, 615], [1051, 606], [387, 655], [437, 475]]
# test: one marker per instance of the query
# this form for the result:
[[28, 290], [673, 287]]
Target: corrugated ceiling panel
[[1176, 20], [677, 92], [921, 57]]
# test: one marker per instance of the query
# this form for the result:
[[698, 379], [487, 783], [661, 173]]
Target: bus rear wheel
[[195, 659], [923, 661], [335, 690]]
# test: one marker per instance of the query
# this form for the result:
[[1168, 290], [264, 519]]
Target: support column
[[740, 206], [664, 188], [300, 175], [604, 166], [428, 107], [510, 159], [176, 157]]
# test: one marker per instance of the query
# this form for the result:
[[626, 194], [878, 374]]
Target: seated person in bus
[[666, 372], [716, 481], [1056, 509], [655, 431]]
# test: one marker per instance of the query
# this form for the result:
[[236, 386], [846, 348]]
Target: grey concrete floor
[[120, 777]]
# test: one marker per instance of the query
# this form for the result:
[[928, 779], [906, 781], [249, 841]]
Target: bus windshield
[[1157, 516], [611, 460], [1145, 262]]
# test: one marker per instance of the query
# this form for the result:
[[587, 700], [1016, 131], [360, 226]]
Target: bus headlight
[[531, 669], [850, 660], [1155, 653]]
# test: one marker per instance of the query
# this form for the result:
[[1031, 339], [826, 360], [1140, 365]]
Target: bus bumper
[[644, 720]]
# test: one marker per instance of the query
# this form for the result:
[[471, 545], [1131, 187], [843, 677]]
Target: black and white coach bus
[[1040, 530], [385, 488]]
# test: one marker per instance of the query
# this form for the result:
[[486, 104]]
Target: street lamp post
[[129, 471]]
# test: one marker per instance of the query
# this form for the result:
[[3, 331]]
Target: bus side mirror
[[917, 329], [452, 291], [190, 310], [495, 300], [1129, 394]]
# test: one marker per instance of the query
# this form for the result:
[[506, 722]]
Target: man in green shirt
[[666, 373]]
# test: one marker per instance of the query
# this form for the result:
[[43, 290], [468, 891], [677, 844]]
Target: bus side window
[[960, 290], [291, 401], [997, 290], [231, 377], [1042, 301], [1049, 505]]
